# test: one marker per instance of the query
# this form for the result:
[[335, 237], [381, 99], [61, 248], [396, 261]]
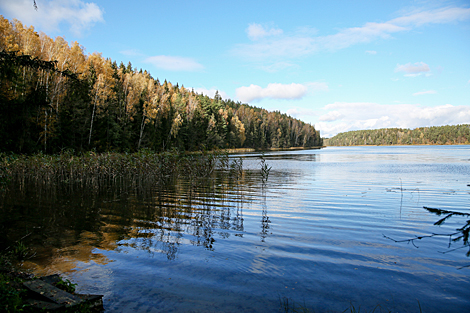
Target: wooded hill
[[54, 97], [437, 135]]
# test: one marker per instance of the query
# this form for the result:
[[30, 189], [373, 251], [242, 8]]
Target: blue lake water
[[315, 234]]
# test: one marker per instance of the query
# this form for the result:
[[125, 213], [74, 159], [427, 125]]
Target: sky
[[339, 65]]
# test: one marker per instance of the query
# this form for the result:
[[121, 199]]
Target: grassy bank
[[11, 293]]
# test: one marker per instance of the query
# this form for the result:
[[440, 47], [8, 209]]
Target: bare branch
[[420, 237], [463, 232]]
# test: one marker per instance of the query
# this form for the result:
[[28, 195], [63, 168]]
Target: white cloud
[[438, 16], [413, 70], [355, 35], [174, 63], [428, 92], [273, 91], [300, 112], [371, 52], [331, 116], [363, 115], [50, 15], [302, 43], [210, 92], [285, 46], [257, 31], [278, 91]]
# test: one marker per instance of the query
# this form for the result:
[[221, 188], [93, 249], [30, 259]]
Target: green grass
[[11, 292], [11, 295]]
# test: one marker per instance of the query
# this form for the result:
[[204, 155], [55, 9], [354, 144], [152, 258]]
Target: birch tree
[[103, 83]]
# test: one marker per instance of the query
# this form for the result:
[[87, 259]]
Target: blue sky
[[339, 65]]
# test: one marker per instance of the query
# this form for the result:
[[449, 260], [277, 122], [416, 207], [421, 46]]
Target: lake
[[320, 233]]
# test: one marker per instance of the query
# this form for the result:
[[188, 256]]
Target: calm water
[[314, 234]]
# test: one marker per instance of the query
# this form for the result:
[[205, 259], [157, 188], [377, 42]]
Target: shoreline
[[401, 145], [243, 150]]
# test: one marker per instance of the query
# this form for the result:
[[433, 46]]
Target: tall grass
[[46, 174]]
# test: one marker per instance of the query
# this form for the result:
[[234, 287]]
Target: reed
[[48, 174], [265, 169]]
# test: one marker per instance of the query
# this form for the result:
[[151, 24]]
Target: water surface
[[315, 233]]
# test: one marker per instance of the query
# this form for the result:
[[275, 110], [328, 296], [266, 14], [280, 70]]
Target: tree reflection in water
[[196, 208], [198, 213], [264, 219]]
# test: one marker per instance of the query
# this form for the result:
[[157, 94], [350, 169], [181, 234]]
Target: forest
[[436, 135], [55, 97]]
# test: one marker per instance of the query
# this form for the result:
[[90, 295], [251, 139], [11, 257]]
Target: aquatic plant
[[20, 250], [287, 305], [265, 169], [4, 177], [236, 168], [92, 172]]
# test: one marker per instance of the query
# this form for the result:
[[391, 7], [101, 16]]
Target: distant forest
[[439, 135], [54, 97]]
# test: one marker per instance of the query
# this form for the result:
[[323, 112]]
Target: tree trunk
[[142, 125], [94, 109]]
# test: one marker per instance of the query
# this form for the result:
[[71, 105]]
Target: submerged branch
[[461, 233], [411, 240]]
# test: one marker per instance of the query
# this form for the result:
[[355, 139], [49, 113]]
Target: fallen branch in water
[[421, 237], [463, 232]]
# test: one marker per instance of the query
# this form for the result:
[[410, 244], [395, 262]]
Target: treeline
[[436, 135], [54, 97]]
